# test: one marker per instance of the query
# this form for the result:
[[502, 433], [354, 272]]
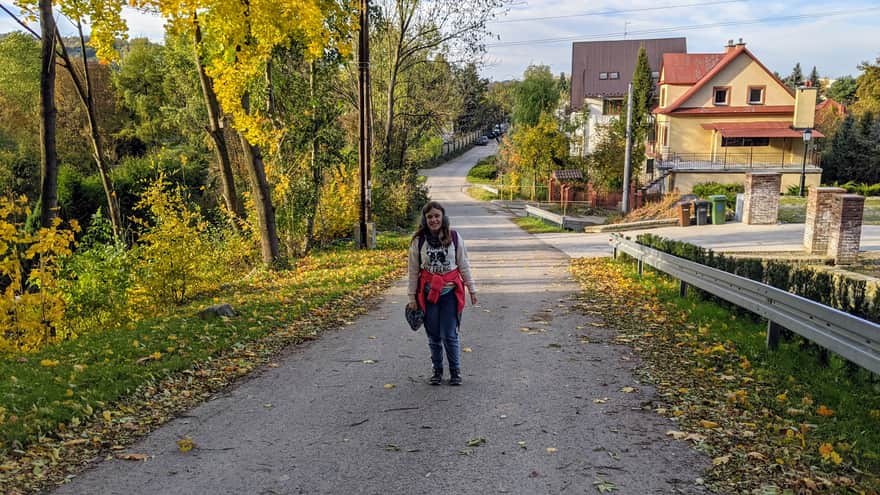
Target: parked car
[[482, 141]]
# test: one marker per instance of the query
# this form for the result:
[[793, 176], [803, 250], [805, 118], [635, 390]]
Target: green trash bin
[[719, 208]]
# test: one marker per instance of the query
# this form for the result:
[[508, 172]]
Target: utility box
[[684, 214], [719, 208], [738, 212], [701, 211]]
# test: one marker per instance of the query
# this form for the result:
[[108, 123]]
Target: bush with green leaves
[[706, 189], [861, 188], [485, 170]]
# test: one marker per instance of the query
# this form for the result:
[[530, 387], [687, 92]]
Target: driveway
[[541, 410]]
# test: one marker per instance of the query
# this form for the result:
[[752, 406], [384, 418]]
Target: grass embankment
[[534, 225], [793, 209], [68, 402], [771, 421]]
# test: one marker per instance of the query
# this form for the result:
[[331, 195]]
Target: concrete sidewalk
[[730, 237]]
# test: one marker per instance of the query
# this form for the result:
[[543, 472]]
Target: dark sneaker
[[454, 377], [437, 378]]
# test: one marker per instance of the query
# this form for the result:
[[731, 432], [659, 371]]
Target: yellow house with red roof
[[721, 115]]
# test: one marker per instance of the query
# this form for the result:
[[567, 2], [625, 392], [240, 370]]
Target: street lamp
[[808, 135]]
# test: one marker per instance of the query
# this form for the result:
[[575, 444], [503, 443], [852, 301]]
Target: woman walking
[[439, 271]]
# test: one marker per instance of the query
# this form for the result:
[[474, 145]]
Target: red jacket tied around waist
[[437, 282]]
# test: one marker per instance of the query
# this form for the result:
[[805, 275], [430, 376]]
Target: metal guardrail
[[851, 337]]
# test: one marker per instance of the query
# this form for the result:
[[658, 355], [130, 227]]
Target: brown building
[[600, 73]]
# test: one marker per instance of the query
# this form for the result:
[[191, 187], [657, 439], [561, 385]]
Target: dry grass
[[653, 211]]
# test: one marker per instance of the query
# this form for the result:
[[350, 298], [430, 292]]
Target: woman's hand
[[474, 298], [412, 305]]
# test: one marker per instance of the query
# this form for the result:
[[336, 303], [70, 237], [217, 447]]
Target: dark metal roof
[[590, 58], [569, 174]]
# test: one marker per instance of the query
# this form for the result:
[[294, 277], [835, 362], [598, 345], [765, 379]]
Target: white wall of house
[[586, 136]]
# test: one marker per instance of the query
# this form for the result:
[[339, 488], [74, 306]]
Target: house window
[[663, 96], [745, 141], [612, 107], [756, 95], [614, 75], [603, 75], [655, 75], [721, 96]]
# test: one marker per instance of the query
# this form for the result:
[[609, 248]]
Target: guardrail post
[[774, 332], [682, 289], [641, 265]]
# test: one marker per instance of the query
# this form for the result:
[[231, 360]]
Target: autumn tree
[[238, 42], [540, 149], [868, 88]]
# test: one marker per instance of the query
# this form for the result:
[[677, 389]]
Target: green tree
[[19, 118], [536, 94], [139, 81], [796, 78], [814, 79], [843, 90], [643, 102], [605, 163], [868, 88]]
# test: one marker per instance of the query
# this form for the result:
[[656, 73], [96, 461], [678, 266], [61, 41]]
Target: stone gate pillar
[[846, 228], [818, 226], [761, 206]]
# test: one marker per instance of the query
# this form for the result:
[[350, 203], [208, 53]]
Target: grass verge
[[69, 402], [772, 422], [481, 194], [534, 225], [793, 209]]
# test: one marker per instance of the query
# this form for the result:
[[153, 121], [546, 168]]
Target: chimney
[[740, 43], [804, 107], [728, 46]]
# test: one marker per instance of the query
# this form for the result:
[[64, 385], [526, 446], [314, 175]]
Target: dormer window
[[756, 95], [603, 75], [614, 75], [721, 96]]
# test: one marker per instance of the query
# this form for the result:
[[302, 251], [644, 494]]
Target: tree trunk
[[317, 176], [215, 131], [48, 117], [262, 197]]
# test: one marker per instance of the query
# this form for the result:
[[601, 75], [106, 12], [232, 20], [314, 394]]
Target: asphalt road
[[324, 423]]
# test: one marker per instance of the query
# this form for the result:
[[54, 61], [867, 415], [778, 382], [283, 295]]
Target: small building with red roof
[[720, 115]]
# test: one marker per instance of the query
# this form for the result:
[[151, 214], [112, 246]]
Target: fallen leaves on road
[[185, 444]]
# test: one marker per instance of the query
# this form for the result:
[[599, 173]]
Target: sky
[[833, 36]]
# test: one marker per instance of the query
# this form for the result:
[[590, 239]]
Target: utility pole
[[364, 128], [629, 145]]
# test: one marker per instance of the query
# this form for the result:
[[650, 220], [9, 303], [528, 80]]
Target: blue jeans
[[441, 325]]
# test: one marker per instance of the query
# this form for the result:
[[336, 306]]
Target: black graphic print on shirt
[[439, 259]]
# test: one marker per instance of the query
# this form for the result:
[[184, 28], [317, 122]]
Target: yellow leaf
[[627, 390], [467, 349], [824, 411], [185, 444], [782, 397], [107, 416], [49, 362], [551, 450], [708, 424], [69, 393], [79, 368], [133, 457], [835, 458], [724, 459], [389, 386]]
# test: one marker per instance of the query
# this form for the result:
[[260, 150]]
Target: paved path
[[729, 237], [333, 428]]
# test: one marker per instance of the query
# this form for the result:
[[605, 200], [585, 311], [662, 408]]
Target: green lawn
[[793, 209]]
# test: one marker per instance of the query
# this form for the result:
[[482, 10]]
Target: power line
[[614, 12], [684, 28]]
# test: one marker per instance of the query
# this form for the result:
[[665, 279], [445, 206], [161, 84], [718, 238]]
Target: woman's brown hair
[[445, 236]]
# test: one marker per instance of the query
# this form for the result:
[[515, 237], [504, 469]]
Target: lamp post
[[808, 135]]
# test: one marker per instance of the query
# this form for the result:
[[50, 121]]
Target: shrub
[[31, 304], [176, 259], [339, 208], [485, 169], [706, 189]]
